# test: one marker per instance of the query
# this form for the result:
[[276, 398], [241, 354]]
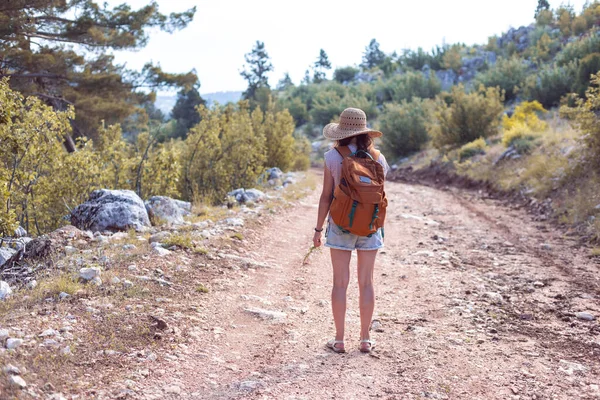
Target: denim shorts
[[337, 239]]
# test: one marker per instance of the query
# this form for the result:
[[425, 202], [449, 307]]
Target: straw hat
[[353, 122]]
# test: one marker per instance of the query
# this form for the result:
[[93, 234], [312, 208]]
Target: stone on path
[[165, 210], [13, 343], [111, 210], [17, 382], [89, 274], [266, 314], [5, 290], [585, 316]]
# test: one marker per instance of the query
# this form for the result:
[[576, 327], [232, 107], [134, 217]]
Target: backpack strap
[[344, 151], [374, 153]]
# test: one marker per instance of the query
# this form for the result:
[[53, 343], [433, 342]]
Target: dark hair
[[363, 142]]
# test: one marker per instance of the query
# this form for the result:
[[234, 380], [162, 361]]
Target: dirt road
[[474, 301]]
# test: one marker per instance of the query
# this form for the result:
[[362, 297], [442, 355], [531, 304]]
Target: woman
[[351, 131]]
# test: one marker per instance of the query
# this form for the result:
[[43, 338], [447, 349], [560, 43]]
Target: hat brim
[[334, 132]]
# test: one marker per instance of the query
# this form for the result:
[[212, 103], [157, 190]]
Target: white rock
[[496, 298], [17, 382], [115, 280], [49, 333], [5, 290], [70, 250], [266, 314], [585, 316], [200, 225], [5, 254], [96, 281], [66, 351], [13, 343], [424, 253], [32, 284], [88, 274], [161, 251], [132, 267], [570, 368], [159, 237], [234, 222], [119, 236], [127, 284], [427, 221], [250, 385], [172, 389], [11, 370], [129, 247], [63, 295], [3, 335]]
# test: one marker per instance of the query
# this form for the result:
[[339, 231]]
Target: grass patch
[[237, 236], [181, 240], [301, 188], [200, 250], [595, 252], [201, 289]]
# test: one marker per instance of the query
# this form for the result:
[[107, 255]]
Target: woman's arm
[[324, 203]]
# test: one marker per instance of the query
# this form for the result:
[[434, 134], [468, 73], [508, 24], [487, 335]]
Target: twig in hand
[[310, 251]]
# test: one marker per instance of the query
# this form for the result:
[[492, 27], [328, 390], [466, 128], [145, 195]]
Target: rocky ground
[[474, 301]]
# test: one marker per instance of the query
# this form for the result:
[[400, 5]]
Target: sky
[[223, 31]]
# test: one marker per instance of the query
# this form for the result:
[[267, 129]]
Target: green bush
[[579, 49], [588, 66], [345, 74], [507, 74], [472, 149], [408, 86], [326, 106], [464, 117], [551, 83], [404, 127], [586, 118]]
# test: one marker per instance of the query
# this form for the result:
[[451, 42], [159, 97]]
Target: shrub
[[523, 126], [415, 59], [507, 74], [588, 66], [551, 83], [325, 107], [404, 127], [345, 74], [545, 18], [526, 113], [452, 58], [466, 116], [564, 18], [579, 25], [585, 116], [579, 49], [476, 147], [408, 86], [302, 149]]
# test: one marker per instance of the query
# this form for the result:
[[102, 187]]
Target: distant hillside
[[165, 103]]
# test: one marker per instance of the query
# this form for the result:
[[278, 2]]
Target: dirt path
[[475, 301]]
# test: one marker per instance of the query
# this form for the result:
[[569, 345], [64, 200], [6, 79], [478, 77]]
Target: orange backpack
[[359, 202]]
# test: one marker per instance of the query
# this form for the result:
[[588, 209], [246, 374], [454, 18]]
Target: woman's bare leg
[[341, 276], [366, 264]]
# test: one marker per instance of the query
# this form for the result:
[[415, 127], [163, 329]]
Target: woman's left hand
[[317, 239]]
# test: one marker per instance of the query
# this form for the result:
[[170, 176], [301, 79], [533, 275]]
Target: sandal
[[369, 348], [332, 344]]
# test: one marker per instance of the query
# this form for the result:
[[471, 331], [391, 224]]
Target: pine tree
[[285, 82], [321, 65], [373, 56], [258, 65], [542, 5], [185, 111], [34, 53]]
